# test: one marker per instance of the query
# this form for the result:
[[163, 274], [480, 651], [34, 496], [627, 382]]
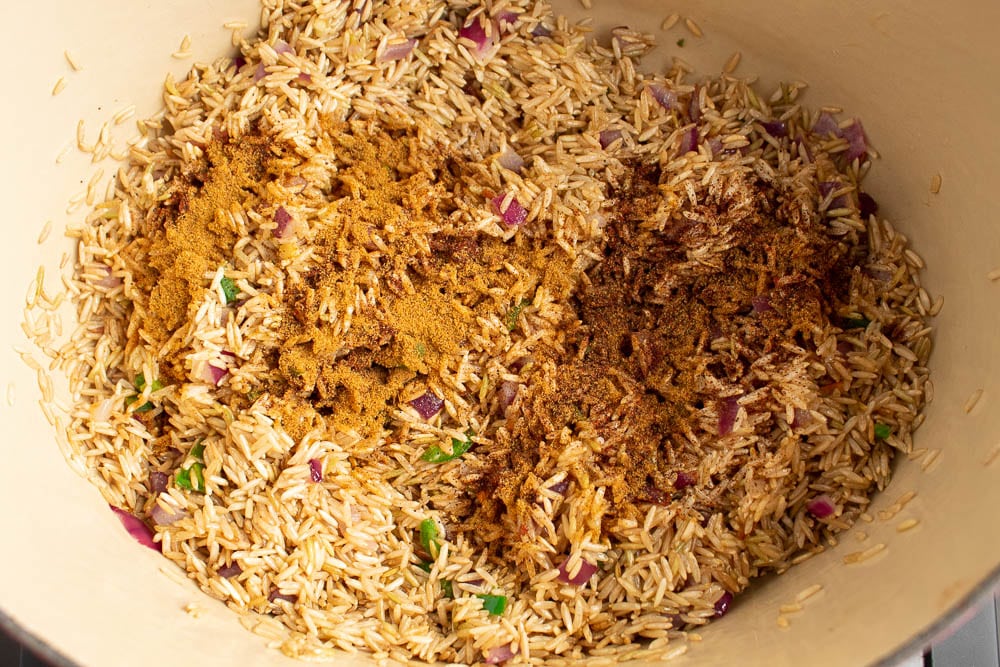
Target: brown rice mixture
[[439, 330]]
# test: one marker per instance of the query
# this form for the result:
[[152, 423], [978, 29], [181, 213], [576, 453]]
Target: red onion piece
[[665, 97], [561, 486], [507, 18], [776, 128], [585, 572], [229, 571], [110, 281], [281, 46], [694, 106], [684, 480], [715, 145], [722, 604], [689, 140], [475, 31], [514, 215], [157, 481], [878, 273], [427, 404], [396, 51], [283, 219], [540, 31], [214, 374], [826, 124], [142, 533], [826, 188], [801, 418], [729, 409], [227, 353], [608, 137], [761, 304], [867, 206], [506, 393], [857, 142], [510, 160], [316, 470], [165, 517], [498, 654], [304, 77], [239, 62], [276, 595], [821, 506], [260, 72]]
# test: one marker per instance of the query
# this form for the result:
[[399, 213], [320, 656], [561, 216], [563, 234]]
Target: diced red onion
[[821, 506], [227, 353], [427, 404], [260, 72], [761, 304], [694, 105], [165, 517], [540, 31], [316, 470], [475, 31], [239, 62], [728, 411], [561, 486], [608, 137], [281, 46], [665, 97], [142, 533], [689, 140], [157, 481], [715, 145], [684, 480], [652, 495], [506, 393], [276, 595], [776, 128], [722, 604], [867, 206], [214, 374], [507, 18], [304, 77], [514, 215], [510, 160], [826, 124], [584, 574], [283, 219], [110, 281], [229, 571], [498, 654], [857, 142], [801, 418], [396, 51], [878, 273], [826, 188]]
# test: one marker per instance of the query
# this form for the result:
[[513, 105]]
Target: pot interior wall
[[920, 75]]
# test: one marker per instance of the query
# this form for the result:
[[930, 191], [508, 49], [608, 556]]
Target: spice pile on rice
[[442, 332]]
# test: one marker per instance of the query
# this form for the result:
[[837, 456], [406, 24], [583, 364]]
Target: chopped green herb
[[140, 383], [435, 454], [191, 478], [882, 431], [421, 350], [425, 566], [229, 288], [447, 589], [198, 451], [429, 537], [856, 322], [494, 604], [511, 319], [680, 42]]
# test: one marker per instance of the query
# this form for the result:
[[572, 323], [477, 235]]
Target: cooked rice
[[333, 566]]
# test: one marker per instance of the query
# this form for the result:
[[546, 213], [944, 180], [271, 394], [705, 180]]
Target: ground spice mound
[[673, 325]]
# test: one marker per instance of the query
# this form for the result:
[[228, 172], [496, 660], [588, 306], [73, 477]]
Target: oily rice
[[315, 538]]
